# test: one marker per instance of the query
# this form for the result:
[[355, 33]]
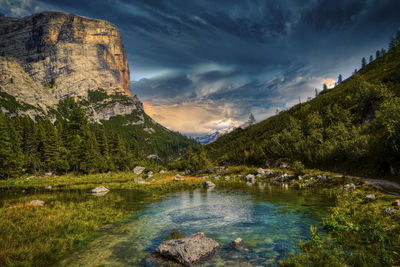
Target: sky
[[204, 65]]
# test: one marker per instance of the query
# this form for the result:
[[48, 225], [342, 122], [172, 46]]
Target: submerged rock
[[37, 203], [99, 190], [208, 184], [237, 242], [138, 169], [349, 187], [188, 250]]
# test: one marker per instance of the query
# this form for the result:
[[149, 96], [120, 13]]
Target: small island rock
[[188, 250]]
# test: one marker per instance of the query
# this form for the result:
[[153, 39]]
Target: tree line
[[70, 144]]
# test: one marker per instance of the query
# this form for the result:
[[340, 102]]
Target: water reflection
[[270, 220]]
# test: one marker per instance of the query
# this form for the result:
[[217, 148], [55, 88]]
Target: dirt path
[[387, 186]]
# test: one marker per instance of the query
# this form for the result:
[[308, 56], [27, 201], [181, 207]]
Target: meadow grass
[[358, 232]]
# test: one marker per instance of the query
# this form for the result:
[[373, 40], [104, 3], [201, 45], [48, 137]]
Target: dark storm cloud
[[249, 55]]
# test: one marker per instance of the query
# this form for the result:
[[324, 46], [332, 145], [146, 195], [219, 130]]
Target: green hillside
[[354, 127], [66, 140]]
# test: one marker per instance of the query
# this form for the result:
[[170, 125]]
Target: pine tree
[[378, 54], [117, 151], [251, 120], [340, 79], [324, 87], [363, 62], [371, 58], [91, 154], [51, 147], [5, 148]]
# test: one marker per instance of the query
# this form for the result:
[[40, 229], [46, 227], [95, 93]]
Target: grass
[[358, 232], [41, 236]]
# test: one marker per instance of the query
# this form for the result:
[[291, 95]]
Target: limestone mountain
[[52, 56]]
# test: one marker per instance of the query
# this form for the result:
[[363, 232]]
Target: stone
[[49, 174], [106, 227], [299, 178], [396, 203], [237, 242], [139, 180], [48, 187], [208, 184], [100, 189], [150, 174], [323, 178], [188, 250], [178, 179], [389, 210], [161, 172], [350, 186], [227, 178], [370, 197], [138, 170], [216, 177], [260, 171], [37, 203], [250, 178]]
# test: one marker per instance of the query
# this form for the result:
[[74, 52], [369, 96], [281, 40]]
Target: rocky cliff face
[[69, 54], [53, 55]]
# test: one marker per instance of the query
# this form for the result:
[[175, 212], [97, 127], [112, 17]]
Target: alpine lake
[[271, 220]]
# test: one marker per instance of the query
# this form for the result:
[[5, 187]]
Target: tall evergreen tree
[[5, 148], [363, 62], [378, 54], [340, 79], [371, 58], [251, 120]]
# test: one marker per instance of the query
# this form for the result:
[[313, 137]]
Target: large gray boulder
[[188, 250], [138, 169]]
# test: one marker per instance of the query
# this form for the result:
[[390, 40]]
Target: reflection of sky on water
[[271, 224]]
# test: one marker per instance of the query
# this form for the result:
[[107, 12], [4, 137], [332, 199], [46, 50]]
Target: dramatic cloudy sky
[[202, 65]]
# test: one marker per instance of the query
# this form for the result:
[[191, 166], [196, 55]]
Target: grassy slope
[[330, 131]]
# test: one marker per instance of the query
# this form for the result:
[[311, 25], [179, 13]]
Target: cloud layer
[[221, 60]]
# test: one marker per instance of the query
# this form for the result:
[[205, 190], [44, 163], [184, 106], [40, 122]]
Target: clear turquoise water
[[270, 220]]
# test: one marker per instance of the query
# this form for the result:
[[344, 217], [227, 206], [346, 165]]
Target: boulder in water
[[188, 250]]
